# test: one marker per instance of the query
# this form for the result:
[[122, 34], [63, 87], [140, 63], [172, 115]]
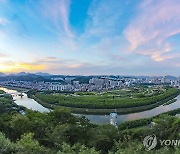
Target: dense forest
[[60, 132]]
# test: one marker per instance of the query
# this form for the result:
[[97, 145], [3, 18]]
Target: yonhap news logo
[[151, 141]]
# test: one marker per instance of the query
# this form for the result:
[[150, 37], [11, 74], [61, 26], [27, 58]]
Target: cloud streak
[[155, 23], [58, 11], [102, 19], [3, 21]]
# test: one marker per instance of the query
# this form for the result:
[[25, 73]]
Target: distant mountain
[[20, 74], [2, 74], [43, 74], [46, 77], [23, 77]]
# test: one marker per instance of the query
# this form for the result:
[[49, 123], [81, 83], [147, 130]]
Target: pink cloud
[[148, 32]]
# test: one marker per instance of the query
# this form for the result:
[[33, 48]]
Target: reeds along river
[[32, 104]]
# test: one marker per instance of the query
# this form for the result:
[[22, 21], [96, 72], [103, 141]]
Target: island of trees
[[100, 103]]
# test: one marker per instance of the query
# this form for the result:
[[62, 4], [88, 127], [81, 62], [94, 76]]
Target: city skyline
[[90, 37]]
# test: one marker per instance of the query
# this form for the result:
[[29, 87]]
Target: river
[[25, 101], [99, 119]]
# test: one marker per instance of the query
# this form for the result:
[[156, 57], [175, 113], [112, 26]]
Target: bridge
[[14, 93]]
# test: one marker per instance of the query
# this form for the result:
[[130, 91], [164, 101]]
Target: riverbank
[[170, 102], [24, 100], [8, 105]]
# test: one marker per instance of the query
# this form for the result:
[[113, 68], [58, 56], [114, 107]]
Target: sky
[[90, 37]]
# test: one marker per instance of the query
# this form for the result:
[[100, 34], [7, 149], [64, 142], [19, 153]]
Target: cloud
[[55, 17], [48, 60], [155, 23], [102, 19], [56, 62], [3, 34], [58, 11], [66, 66], [3, 21], [2, 55]]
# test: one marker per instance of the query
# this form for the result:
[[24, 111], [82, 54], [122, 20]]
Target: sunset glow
[[20, 67]]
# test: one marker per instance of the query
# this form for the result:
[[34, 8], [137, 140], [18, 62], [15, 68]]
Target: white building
[[56, 87], [96, 81]]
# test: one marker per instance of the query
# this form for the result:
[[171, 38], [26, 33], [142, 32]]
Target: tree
[[103, 137], [28, 145], [60, 116], [76, 149], [69, 133], [6, 146], [20, 124], [167, 127]]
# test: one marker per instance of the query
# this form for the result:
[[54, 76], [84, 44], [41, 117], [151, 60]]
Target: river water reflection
[[138, 115], [32, 104], [25, 101]]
